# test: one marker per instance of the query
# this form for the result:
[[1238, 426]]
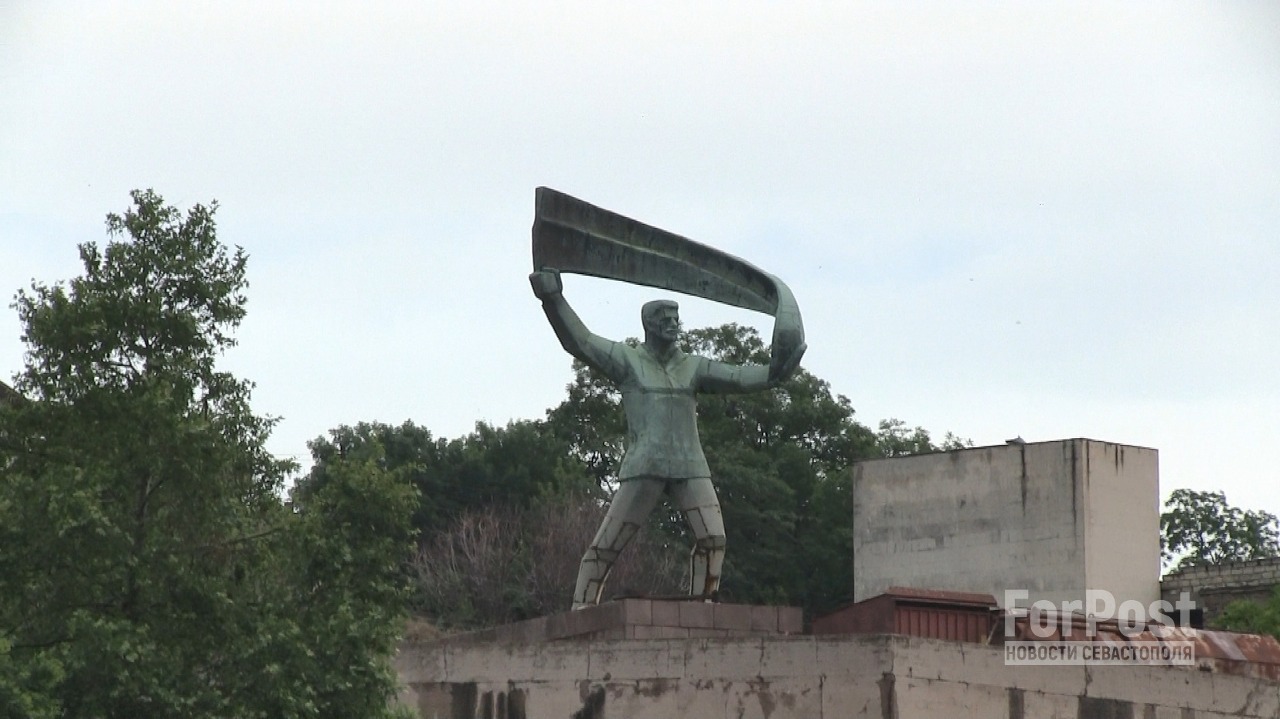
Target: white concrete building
[[1052, 518]]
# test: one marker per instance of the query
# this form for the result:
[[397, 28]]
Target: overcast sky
[[1046, 220]]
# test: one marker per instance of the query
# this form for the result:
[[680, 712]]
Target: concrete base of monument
[[858, 676], [655, 618]]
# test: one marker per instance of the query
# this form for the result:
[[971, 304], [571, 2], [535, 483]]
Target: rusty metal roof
[[931, 613], [941, 596], [1251, 655], [967, 616]]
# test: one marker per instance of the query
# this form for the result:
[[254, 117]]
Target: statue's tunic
[[662, 415], [658, 397]]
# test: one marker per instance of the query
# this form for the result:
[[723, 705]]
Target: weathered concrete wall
[[1053, 518], [1121, 487], [979, 520], [1212, 588], [648, 619], [874, 677]]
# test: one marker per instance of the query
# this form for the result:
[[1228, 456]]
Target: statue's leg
[[630, 506], [696, 498]]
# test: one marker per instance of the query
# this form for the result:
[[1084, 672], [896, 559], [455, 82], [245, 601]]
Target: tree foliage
[[345, 594], [492, 466], [1201, 528], [501, 513], [895, 439], [150, 567]]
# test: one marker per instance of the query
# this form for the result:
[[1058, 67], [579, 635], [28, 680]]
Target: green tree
[[150, 566], [492, 466], [1201, 528], [895, 439], [345, 595]]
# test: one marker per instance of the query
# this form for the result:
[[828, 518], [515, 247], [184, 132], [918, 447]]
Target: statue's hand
[[782, 368], [545, 283]]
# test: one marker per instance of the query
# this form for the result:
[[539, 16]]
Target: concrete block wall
[[1213, 587], [870, 677]]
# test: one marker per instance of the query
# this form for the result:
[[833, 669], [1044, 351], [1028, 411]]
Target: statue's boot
[[704, 566]]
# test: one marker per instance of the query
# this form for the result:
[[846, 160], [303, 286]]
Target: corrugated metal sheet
[[934, 614], [961, 625]]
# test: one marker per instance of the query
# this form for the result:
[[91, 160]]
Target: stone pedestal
[[649, 619], [800, 677]]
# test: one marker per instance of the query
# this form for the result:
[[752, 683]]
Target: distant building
[[1048, 520]]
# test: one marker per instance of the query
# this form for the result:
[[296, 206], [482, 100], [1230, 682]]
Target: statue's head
[[661, 319]]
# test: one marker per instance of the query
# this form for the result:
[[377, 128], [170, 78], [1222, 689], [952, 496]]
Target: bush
[[505, 564]]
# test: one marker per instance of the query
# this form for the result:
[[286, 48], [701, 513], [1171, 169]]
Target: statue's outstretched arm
[[574, 336], [724, 377]]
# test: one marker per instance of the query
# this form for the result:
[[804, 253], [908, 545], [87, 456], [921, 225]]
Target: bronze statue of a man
[[663, 454]]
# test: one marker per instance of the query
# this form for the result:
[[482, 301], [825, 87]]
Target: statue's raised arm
[[573, 334]]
